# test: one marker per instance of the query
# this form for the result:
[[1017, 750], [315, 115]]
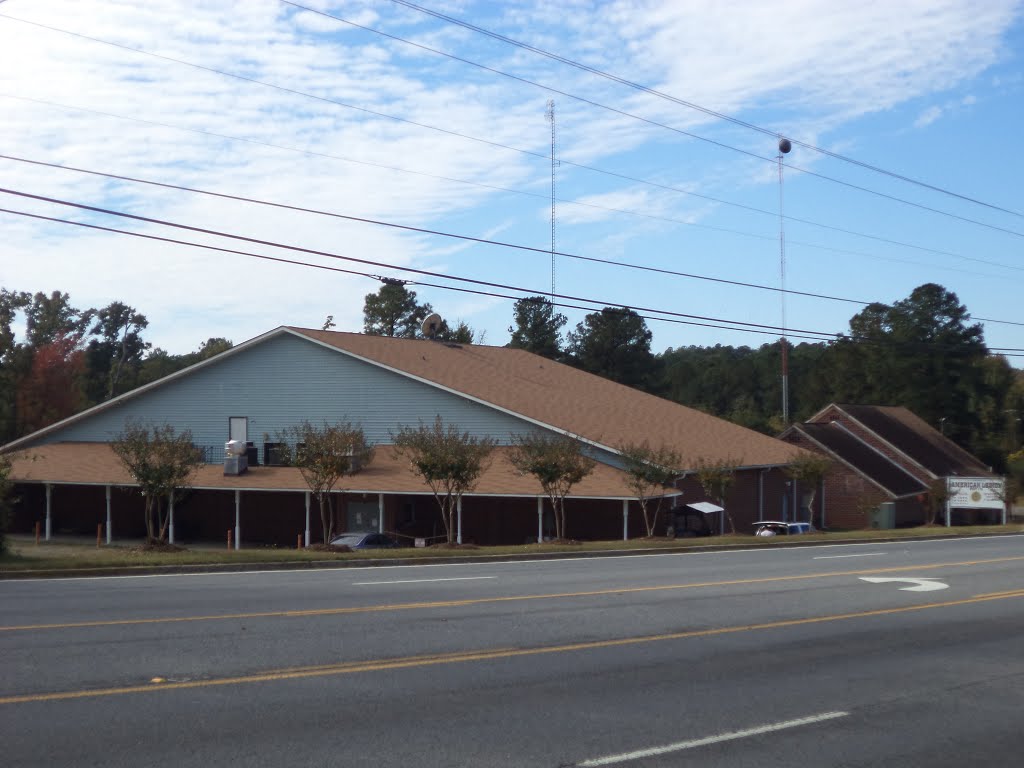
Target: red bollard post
[[298, 541], [99, 534], [229, 539], [37, 533]]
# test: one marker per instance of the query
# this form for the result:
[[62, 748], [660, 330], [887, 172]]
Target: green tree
[[393, 311], [49, 318], [716, 477], [114, 357], [448, 460], [15, 360], [935, 500], [922, 353], [162, 462], [650, 471], [462, 333], [808, 470], [615, 343], [211, 347], [324, 455], [538, 327], [558, 463]]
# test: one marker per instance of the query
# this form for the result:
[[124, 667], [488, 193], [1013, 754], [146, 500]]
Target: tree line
[[67, 359], [922, 352]]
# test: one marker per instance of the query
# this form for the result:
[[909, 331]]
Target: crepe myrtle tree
[[162, 462], [808, 470], [649, 471], [716, 477], [324, 455], [449, 460], [558, 463]]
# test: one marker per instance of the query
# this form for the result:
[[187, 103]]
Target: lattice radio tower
[[550, 115]]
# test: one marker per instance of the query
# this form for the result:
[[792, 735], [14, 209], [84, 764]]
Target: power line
[[526, 292], [697, 107], [819, 336], [440, 233], [328, 254], [530, 153], [525, 193], [658, 124]]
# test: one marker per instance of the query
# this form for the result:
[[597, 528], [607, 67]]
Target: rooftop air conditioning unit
[[235, 460]]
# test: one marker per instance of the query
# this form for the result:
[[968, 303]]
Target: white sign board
[[976, 492]]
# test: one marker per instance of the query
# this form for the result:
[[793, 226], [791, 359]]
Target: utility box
[[883, 517]]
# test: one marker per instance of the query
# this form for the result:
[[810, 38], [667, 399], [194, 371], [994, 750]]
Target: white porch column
[[625, 519], [307, 518], [822, 504], [380, 513], [540, 519], [170, 520], [458, 509], [109, 532], [49, 502], [238, 519]]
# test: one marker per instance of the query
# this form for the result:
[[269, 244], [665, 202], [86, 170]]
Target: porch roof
[[97, 464]]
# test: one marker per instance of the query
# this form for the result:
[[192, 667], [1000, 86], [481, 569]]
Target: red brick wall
[[848, 496]]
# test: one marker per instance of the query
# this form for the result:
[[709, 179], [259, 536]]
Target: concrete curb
[[199, 568]]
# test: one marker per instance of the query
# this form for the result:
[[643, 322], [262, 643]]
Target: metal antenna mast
[[550, 115], [784, 147]]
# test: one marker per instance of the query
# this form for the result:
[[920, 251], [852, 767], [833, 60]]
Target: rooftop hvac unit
[[235, 460]]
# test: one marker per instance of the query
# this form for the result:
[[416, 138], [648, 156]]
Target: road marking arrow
[[920, 585]]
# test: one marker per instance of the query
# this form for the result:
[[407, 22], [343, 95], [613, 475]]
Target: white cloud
[[928, 117], [820, 61]]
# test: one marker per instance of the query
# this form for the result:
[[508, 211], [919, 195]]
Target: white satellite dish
[[431, 325]]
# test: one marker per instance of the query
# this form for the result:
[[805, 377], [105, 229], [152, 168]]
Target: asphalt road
[[762, 658]]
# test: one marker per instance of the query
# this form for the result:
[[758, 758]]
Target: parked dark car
[[365, 541]]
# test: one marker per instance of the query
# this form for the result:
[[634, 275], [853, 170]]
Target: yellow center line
[[481, 655], [491, 600], [1008, 593]]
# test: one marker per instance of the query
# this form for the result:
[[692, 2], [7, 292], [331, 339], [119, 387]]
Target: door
[[238, 429]]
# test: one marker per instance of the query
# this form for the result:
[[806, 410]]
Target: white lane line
[[678, 746], [837, 557], [421, 581]]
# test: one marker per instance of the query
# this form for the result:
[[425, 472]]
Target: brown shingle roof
[[96, 464], [922, 443], [863, 458], [570, 400]]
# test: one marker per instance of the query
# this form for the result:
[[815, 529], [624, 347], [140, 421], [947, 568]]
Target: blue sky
[[931, 90]]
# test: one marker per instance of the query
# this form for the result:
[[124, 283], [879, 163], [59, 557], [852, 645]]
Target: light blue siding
[[283, 381]]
